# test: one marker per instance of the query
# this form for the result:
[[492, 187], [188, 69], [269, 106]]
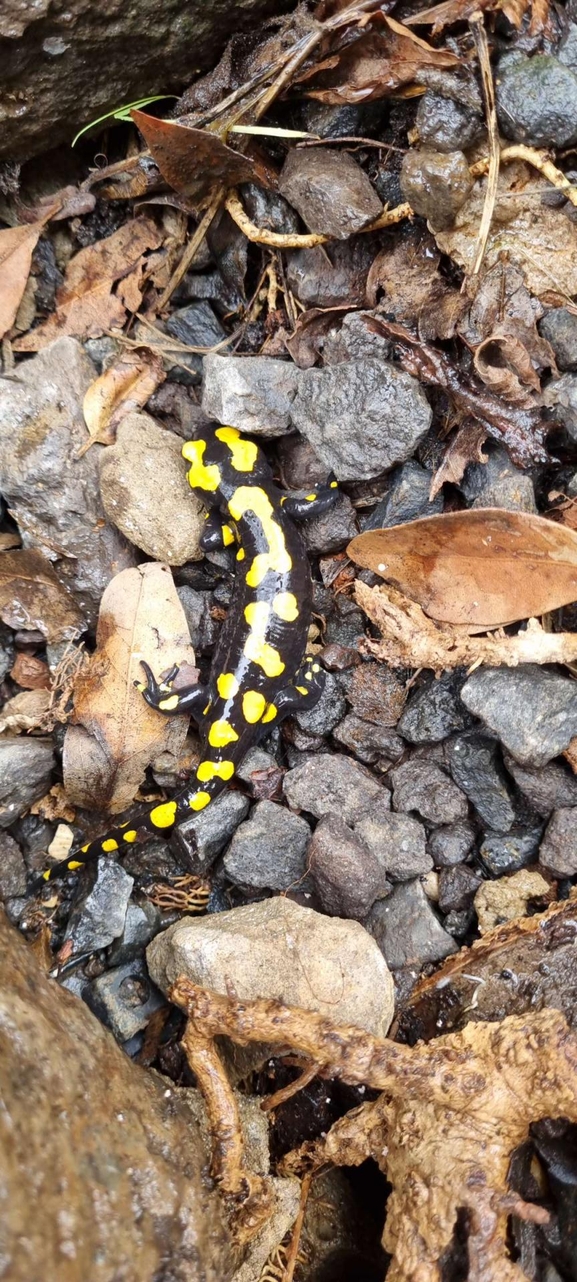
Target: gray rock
[[560, 396], [447, 125], [142, 922], [268, 851], [332, 530], [197, 326], [253, 393], [130, 52], [330, 191], [502, 855], [202, 627], [374, 745], [406, 499], [255, 762], [457, 888], [559, 327], [199, 840], [124, 999], [451, 845], [476, 769], [25, 774], [567, 53], [537, 102], [558, 851], [12, 868], [407, 930], [321, 280], [546, 788], [354, 339], [346, 623], [434, 710], [397, 842], [329, 710], [361, 417], [498, 483], [459, 921], [531, 710], [276, 949], [436, 184], [333, 785], [34, 835], [347, 875], [135, 502], [6, 650], [99, 910], [375, 694], [424, 787], [269, 209], [42, 430]]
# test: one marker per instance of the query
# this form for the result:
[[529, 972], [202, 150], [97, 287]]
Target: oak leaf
[[483, 568], [375, 65], [193, 161], [125, 386]]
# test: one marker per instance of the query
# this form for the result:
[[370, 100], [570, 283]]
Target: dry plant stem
[[410, 639], [450, 1114], [280, 240], [293, 1252], [476, 23], [287, 1092], [535, 158], [192, 248]]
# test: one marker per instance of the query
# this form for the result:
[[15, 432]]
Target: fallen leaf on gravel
[[17, 245], [503, 306], [61, 842], [312, 327], [9, 540], [193, 161], [374, 65], [483, 567], [465, 448], [30, 673], [85, 304], [504, 365], [25, 711], [538, 238], [115, 735], [125, 386], [54, 805], [409, 639], [31, 597], [442, 15], [508, 898], [414, 291], [526, 964]]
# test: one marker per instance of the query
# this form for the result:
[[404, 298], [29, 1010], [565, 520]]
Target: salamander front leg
[[189, 701], [305, 691], [319, 499], [217, 534]]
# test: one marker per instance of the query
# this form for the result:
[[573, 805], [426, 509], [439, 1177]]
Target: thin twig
[[192, 248], [293, 1251], [477, 26], [292, 240], [539, 161]]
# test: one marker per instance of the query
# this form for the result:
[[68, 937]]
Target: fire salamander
[[260, 671]]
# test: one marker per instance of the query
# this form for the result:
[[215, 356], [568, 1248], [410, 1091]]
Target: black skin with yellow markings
[[260, 670]]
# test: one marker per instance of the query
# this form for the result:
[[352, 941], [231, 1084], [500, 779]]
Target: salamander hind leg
[[303, 693], [318, 500], [188, 701]]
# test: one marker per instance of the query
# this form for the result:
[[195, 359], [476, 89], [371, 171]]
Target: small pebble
[[253, 393], [447, 125], [532, 710], [451, 844], [397, 842], [436, 184], [124, 999], [407, 929], [501, 855], [199, 840], [100, 905], [457, 888], [424, 787], [434, 710], [559, 327], [558, 853], [537, 102], [329, 190], [505, 900], [268, 851], [333, 785], [475, 767], [347, 875]]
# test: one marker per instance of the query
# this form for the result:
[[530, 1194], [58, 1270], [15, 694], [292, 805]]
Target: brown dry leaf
[[484, 568], [25, 711], [504, 365], [409, 639], [193, 161], [9, 540], [31, 597], [312, 327], [54, 805], [17, 245], [374, 65], [116, 736], [503, 305], [415, 293], [539, 951], [442, 15], [125, 386], [539, 239], [85, 305], [449, 1115], [30, 673], [465, 448], [61, 843]]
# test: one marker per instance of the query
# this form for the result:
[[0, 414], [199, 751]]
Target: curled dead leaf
[[125, 386], [505, 366], [116, 736], [465, 448], [31, 597], [484, 567], [374, 65]]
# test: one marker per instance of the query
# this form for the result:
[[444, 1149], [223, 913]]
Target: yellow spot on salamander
[[109, 844], [85, 848], [163, 816], [302, 689], [220, 734], [46, 875], [256, 648], [73, 864], [168, 705], [214, 769], [316, 667], [199, 800], [240, 554], [311, 498], [244, 453], [285, 605], [334, 485], [251, 498], [200, 476], [253, 706], [270, 713], [227, 685], [130, 835], [227, 535], [207, 709]]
